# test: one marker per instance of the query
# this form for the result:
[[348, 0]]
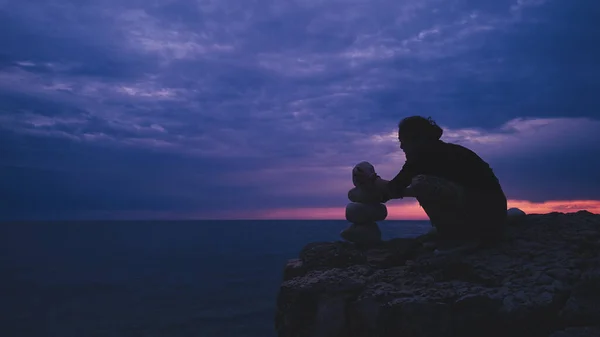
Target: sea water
[[168, 279]]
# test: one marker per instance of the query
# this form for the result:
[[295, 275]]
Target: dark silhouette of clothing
[[482, 199], [449, 161]]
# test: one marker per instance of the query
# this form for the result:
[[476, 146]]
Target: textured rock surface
[[542, 280], [578, 332]]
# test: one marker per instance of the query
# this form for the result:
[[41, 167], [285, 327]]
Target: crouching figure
[[457, 189]]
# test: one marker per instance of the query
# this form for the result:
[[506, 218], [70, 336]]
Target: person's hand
[[383, 188], [363, 174]]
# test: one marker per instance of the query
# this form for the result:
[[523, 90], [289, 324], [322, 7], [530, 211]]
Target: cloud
[[150, 35], [275, 101], [523, 4]]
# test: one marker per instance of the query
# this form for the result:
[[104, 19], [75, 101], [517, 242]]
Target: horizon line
[[188, 220], [403, 211], [4, 222]]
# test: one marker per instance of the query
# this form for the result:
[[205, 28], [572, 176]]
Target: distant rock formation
[[542, 280]]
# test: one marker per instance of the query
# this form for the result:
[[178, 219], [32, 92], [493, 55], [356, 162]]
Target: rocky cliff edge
[[542, 280]]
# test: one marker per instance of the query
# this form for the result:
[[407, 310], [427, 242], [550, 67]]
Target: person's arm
[[397, 186], [415, 164]]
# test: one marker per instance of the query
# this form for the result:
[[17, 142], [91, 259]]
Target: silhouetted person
[[457, 189]]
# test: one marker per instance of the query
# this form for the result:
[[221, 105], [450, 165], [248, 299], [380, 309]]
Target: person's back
[[484, 197], [455, 163]]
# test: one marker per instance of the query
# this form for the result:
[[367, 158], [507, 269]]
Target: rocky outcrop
[[542, 279]]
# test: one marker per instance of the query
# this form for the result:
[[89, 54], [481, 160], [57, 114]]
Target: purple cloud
[[193, 106]]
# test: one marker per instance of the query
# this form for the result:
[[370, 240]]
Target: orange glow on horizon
[[412, 210], [564, 206]]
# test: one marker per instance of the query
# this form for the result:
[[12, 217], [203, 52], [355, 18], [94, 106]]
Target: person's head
[[416, 130]]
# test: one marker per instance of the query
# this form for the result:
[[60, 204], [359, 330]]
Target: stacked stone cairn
[[365, 207]]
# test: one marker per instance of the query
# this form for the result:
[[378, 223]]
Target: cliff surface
[[542, 280]]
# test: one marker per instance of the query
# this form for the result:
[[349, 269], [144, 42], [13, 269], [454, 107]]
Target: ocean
[[147, 279]]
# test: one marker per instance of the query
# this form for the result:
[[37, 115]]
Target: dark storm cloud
[[197, 106]]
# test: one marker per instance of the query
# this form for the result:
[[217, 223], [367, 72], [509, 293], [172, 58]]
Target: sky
[[223, 109]]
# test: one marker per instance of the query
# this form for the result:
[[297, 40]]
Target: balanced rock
[[364, 168], [515, 212], [359, 213]]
